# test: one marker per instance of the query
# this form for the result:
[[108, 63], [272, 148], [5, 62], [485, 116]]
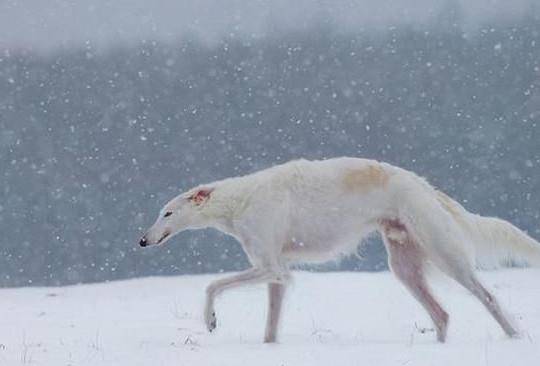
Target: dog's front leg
[[253, 275], [275, 299]]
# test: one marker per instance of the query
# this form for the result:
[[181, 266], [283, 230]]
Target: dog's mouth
[[163, 237]]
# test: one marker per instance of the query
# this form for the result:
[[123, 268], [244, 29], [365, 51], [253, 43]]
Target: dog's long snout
[[143, 242]]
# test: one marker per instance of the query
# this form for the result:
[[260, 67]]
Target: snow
[[329, 318]]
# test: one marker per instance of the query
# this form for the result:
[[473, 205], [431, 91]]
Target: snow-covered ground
[[329, 319]]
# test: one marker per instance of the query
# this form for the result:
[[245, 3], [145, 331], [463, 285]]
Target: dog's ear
[[201, 195]]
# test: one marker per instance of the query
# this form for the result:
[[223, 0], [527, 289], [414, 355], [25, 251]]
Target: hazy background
[[110, 108]]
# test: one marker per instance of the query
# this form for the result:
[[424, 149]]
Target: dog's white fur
[[313, 211]]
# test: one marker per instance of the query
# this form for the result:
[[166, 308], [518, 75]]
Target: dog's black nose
[[143, 242]]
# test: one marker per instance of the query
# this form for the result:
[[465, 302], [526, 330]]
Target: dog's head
[[181, 213]]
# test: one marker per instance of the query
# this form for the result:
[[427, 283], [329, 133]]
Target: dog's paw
[[211, 321]]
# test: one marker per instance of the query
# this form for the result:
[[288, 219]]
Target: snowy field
[[329, 319]]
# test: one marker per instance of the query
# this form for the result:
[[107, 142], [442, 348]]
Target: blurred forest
[[94, 142]]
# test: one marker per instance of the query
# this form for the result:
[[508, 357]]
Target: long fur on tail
[[496, 242], [503, 244]]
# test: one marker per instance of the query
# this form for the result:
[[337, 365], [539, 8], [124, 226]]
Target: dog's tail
[[503, 244], [497, 242]]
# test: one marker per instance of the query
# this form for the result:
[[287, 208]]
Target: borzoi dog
[[313, 211]]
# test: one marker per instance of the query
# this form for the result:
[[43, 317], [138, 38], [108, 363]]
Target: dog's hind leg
[[452, 258], [406, 260], [467, 278], [275, 299]]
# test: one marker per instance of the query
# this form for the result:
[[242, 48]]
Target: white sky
[[45, 24]]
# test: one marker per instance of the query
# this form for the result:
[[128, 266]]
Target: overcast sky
[[45, 24]]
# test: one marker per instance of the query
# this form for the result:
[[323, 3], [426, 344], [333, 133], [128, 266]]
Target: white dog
[[313, 211]]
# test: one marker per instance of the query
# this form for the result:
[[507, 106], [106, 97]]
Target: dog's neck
[[226, 204]]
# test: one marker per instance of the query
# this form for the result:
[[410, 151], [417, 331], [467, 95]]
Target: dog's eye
[[167, 214]]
